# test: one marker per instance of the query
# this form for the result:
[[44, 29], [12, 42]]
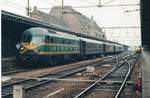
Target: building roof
[[71, 19], [77, 22], [47, 18]]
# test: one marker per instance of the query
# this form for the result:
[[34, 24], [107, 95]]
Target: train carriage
[[91, 47]]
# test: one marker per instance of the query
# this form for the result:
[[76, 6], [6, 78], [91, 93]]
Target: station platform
[[8, 59], [145, 62]]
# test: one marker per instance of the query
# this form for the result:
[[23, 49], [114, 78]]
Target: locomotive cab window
[[26, 37], [37, 39], [51, 40], [47, 39]]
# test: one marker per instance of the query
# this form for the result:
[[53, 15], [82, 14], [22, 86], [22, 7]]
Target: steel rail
[[74, 70], [82, 64], [125, 80], [122, 85], [95, 83], [14, 71], [65, 73], [99, 80]]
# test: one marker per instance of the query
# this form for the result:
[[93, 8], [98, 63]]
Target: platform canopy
[[145, 23]]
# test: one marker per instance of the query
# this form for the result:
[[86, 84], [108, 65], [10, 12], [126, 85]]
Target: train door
[[82, 48], [114, 49], [104, 50]]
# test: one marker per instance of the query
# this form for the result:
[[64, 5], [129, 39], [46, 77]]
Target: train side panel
[[117, 48], [94, 48], [109, 48], [91, 47]]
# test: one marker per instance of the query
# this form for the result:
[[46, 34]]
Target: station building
[[71, 19]]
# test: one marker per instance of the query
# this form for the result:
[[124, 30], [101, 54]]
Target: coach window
[[54, 48], [65, 41], [61, 41], [69, 41], [47, 39], [52, 40]]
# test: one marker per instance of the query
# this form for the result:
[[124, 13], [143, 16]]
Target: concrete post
[[18, 91], [90, 69]]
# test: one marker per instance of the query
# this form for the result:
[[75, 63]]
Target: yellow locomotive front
[[39, 45], [28, 50]]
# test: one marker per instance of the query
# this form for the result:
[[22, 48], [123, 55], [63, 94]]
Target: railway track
[[119, 68], [28, 84], [11, 69], [10, 66], [7, 88], [16, 70]]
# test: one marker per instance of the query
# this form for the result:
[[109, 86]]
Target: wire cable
[[14, 5], [97, 6], [108, 2], [92, 3], [49, 2]]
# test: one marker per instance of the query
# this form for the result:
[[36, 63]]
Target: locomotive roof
[[42, 32], [91, 40], [100, 42]]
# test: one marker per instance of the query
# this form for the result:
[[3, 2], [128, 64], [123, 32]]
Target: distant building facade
[[71, 19]]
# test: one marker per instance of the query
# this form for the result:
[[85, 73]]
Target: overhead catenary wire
[[100, 3], [105, 4], [89, 2], [93, 6], [131, 27], [11, 4], [49, 2], [108, 2]]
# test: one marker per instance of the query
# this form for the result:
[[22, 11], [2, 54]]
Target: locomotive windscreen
[[26, 37]]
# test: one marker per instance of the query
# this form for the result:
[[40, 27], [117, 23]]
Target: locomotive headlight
[[22, 48], [38, 49]]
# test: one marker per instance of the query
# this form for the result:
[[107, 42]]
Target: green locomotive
[[47, 46]]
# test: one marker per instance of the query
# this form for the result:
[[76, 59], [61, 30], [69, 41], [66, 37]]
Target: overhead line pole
[[99, 3], [121, 27], [62, 2], [28, 8]]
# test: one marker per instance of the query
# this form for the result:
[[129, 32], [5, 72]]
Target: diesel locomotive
[[40, 45]]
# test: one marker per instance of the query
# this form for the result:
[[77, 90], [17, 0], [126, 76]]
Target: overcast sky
[[104, 16]]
